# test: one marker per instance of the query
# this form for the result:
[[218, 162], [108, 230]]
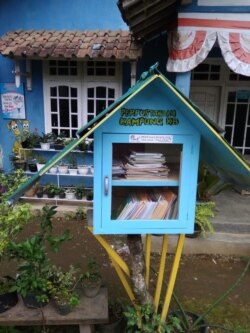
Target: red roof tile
[[106, 44]]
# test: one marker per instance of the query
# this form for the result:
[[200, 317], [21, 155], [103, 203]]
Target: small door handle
[[106, 185]]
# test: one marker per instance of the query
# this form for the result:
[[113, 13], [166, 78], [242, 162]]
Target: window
[[206, 71], [76, 92]]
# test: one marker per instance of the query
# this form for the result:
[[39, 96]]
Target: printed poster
[[12, 101]]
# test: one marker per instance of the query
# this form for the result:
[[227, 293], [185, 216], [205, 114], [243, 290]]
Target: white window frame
[[82, 82]]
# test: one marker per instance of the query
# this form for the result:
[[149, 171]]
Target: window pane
[[90, 106], [53, 91], [231, 97], [74, 106], [52, 71], [230, 114], [100, 106], [63, 91], [64, 112], [74, 122], [73, 92], [111, 93], [54, 120], [90, 92], [101, 71], [239, 129], [228, 133], [53, 104], [101, 92], [63, 71]]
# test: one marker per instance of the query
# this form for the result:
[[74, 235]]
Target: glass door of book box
[[145, 190]]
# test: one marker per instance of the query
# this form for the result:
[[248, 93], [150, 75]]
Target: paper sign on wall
[[12, 101]]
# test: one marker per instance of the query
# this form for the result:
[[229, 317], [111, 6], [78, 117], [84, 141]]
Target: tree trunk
[[138, 269]]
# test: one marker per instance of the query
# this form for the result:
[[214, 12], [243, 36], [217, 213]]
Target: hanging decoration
[[197, 34]]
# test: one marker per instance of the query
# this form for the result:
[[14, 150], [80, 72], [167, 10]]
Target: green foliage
[[143, 319], [46, 138], [62, 285], [92, 275], [10, 182], [51, 188], [30, 139], [12, 220], [32, 252], [72, 160], [203, 212]]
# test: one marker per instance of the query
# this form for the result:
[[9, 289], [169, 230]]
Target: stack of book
[[147, 166], [118, 170], [149, 205]]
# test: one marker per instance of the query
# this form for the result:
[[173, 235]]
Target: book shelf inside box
[[145, 181]]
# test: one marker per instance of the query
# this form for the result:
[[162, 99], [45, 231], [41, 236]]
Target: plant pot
[[63, 309], [53, 170], [20, 164], [78, 196], [62, 195], [112, 327], [58, 146], [91, 289], [73, 171], [83, 169], [31, 302], [7, 299], [32, 167], [70, 195], [39, 166], [50, 195], [62, 169], [31, 192], [39, 194], [45, 145]]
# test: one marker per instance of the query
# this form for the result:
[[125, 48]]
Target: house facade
[[72, 61]]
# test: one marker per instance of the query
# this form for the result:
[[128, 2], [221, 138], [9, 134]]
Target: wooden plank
[[89, 311]]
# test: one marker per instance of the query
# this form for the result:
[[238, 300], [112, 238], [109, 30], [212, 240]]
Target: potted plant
[[8, 298], [33, 271], [39, 191], [30, 139], [89, 195], [40, 161], [62, 288], [79, 192], [32, 164], [143, 318], [62, 167], [61, 193], [72, 164], [70, 193], [83, 169], [59, 141], [80, 213], [116, 318], [51, 190], [46, 140], [91, 280]]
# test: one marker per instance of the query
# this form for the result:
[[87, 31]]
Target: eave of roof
[[149, 19], [87, 44]]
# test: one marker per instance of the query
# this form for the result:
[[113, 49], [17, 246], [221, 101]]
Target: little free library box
[[147, 147]]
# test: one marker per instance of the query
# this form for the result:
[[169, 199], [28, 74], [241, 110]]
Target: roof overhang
[[71, 45], [148, 19]]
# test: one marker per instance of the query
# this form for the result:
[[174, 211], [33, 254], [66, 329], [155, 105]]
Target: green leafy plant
[[32, 253], [30, 139], [51, 189], [203, 213], [10, 182], [12, 220], [62, 285], [72, 160], [143, 319], [47, 138]]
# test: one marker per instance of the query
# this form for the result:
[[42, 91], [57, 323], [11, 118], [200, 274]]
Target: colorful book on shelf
[[149, 205]]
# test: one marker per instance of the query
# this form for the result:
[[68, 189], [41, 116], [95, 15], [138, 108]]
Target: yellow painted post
[[147, 258], [161, 271], [172, 277], [111, 252], [124, 281]]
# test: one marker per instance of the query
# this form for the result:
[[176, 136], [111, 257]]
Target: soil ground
[[201, 278]]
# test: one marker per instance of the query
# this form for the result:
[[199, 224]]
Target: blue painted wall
[[52, 14]]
